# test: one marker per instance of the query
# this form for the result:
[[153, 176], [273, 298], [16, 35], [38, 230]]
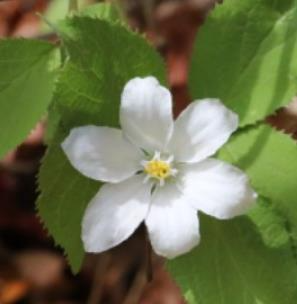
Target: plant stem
[[149, 259], [73, 6]]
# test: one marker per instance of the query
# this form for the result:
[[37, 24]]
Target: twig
[[149, 258], [102, 264], [136, 289]]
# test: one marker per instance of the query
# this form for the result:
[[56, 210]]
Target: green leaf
[[271, 223], [105, 11], [236, 261], [232, 266], [56, 11], [95, 69], [269, 158], [103, 57], [26, 86], [59, 9], [64, 197], [246, 55]]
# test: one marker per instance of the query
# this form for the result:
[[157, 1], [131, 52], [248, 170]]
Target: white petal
[[102, 153], [114, 213], [217, 188], [146, 113], [172, 223], [201, 129]]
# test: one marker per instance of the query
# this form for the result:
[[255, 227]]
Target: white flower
[[157, 170]]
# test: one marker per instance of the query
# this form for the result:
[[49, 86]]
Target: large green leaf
[[64, 196], [232, 266], [246, 55], [103, 57], [269, 158], [26, 86], [234, 263]]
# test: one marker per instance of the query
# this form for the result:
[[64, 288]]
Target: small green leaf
[[105, 11], [26, 86], [232, 266], [103, 57], [59, 9], [246, 55]]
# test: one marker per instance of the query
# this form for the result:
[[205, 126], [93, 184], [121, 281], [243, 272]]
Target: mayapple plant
[[98, 183]]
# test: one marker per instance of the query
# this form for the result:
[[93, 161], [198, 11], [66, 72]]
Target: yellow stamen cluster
[[158, 169]]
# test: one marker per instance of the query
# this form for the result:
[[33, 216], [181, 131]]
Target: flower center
[[158, 169]]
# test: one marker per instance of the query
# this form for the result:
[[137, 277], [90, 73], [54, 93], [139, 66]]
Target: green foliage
[[246, 55], [232, 260], [269, 158], [58, 10], [64, 197], [106, 11], [271, 223], [26, 86], [231, 265], [102, 58]]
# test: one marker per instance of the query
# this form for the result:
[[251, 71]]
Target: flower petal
[[172, 223], [102, 153], [217, 188], [146, 113], [114, 213], [201, 129]]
